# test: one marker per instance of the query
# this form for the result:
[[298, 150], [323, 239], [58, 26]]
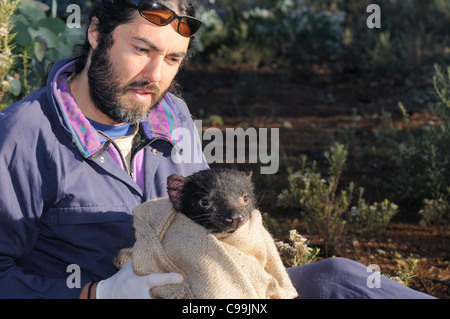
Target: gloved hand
[[125, 284]]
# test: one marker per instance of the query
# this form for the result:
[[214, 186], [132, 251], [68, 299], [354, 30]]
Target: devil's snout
[[236, 218]]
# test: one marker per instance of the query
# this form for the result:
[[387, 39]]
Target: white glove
[[125, 284]]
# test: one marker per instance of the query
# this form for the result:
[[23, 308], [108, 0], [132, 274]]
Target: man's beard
[[109, 95]]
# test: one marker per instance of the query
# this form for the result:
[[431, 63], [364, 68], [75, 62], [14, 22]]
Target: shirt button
[[155, 151], [102, 160]]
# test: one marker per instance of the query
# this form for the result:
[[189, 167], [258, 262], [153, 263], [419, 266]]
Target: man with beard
[[98, 140]]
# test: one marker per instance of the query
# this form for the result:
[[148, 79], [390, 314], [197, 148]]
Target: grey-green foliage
[[296, 252], [322, 205], [40, 40], [7, 9], [436, 212], [365, 217], [296, 31], [421, 155], [441, 81], [270, 31], [327, 206], [416, 157]]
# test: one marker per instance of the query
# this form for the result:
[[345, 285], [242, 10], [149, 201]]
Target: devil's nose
[[236, 217]]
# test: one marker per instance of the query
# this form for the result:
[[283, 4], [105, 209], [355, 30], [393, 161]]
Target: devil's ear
[[175, 185]]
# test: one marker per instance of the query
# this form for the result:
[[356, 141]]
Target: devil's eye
[[204, 202], [246, 199]]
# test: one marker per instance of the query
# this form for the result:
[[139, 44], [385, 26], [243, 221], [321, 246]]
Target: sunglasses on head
[[161, 15]]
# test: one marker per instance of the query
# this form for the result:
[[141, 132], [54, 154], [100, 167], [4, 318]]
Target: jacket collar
[[163, 121]]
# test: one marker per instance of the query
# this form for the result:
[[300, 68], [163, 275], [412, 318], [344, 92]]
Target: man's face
[[130, 78]]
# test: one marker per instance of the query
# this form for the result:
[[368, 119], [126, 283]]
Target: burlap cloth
[[244, 265]]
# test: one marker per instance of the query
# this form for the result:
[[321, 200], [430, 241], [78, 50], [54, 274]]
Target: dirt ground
[[310, 105]]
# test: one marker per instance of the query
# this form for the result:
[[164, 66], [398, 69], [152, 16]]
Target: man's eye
[[174, 60], [142, 50]]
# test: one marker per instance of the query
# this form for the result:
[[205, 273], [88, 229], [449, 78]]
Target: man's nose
[[153, 70]]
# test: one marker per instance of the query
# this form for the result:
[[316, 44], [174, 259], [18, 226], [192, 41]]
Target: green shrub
[[366, 218], [7, 9], [407, 271], [41, 39], [289, 32], [420, 156], [318, 199], [296, 252], [267, 32], [436, 212], [327, 208], [412, 32]]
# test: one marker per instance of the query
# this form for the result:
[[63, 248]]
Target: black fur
[[218, 199]]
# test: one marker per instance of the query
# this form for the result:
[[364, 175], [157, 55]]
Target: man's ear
[[93, 33]]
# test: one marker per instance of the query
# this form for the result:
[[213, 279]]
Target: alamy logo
[[235, 145], [374, 19], [74, 279], [374, 279]]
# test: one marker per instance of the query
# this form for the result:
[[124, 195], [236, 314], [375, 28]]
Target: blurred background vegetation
[[252, 34]]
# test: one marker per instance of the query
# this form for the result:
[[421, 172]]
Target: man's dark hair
[[112, 13]]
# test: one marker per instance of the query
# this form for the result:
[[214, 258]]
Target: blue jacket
[[65, 198]]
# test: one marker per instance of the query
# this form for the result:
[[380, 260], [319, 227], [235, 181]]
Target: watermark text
[[234, 145], [374, 19], [374, 279]]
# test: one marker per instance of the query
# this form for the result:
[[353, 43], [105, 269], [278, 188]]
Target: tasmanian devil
[[219, 199]]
